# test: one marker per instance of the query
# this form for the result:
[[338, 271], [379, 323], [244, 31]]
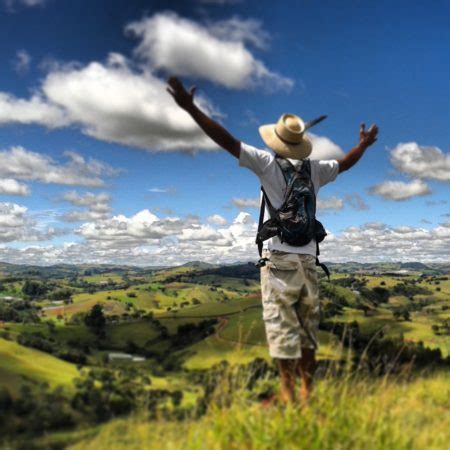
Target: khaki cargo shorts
[[290, 299]]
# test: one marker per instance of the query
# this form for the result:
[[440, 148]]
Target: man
[[289, 284]]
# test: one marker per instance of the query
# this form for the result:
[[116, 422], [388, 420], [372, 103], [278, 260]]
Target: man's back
[[263, 164]]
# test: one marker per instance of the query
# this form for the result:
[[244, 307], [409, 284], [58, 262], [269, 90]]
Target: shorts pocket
[[270, 311], [285, 261]]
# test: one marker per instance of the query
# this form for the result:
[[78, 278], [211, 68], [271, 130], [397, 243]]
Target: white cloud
[[125, 102], [184, 47], [186, 237], [356, 202], [157, 190], [380, 242], [9, 186], [216, 219], [22, 61], [36, 110], [17, 225], [239, 30], [145, 239], [96, 202], [429, 163], [112, 103], [399, 190], [22, 164], [330, 203], [324, 148], [97, 206], [368, 243], [246, 202]]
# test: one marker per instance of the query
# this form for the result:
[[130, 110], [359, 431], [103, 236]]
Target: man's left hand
[[367, 138]]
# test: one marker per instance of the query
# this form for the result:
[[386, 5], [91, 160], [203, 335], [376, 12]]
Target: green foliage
[[19, 311], [34, 289], [103, 394], [50, 345], [61, 294], [409, 290], [95, 321]]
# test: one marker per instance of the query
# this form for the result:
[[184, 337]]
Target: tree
[[95, 321], [33, 289], [406, 315]]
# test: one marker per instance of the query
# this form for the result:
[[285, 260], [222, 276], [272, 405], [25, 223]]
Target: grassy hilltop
[[384, 335], [345, 414]]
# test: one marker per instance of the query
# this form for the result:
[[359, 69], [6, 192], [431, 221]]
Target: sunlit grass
[[345, 413], [18, 363]]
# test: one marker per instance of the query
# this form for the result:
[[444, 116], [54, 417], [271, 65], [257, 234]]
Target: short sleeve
[[255, 159], [327, 170]]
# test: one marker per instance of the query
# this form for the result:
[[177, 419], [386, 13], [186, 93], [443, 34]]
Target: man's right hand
[[184, 98]]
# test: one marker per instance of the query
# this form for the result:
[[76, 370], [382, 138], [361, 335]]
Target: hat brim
[[293, 151]]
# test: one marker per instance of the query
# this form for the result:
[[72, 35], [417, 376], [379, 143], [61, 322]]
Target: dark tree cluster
[[51, 345], [19, 311]]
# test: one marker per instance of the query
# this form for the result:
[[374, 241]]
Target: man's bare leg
[[288, 375], [305, 370]]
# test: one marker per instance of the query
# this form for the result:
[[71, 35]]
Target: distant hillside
[[199, 265], [239, 269]]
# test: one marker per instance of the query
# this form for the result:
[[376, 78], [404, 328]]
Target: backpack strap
[[287, 168], [321, 265], [272, 213], [260, 222]]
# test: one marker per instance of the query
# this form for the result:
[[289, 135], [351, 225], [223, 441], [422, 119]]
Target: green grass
[[386, 414], [117, 335], [18, 363]]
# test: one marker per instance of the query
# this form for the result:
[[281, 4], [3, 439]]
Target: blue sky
[[142, 185]]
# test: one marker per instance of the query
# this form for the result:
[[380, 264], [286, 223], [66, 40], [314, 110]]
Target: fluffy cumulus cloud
[[429, 163], [22, 164], [399, 190], [124, 101], [243, 203], [216, 219], [419, 163], [324, 148], [35, 110], [374, 242], [145, 239], [16, 224], [330, 203], [112, 102], [173, 236], [169, 42], [95, 206], [9, 186]]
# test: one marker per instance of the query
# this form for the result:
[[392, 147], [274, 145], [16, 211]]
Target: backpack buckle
[[261, 262]]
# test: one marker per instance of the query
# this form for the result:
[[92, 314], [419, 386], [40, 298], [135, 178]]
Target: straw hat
[[287, 137]]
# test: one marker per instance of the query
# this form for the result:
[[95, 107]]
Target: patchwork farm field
[[161, 341]]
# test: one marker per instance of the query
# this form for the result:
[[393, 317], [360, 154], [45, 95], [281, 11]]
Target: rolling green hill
[[18, 363]]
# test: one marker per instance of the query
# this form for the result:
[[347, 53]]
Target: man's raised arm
[[185, 99], [366, 139]]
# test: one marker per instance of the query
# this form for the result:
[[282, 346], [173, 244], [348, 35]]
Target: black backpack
[[295, 221]]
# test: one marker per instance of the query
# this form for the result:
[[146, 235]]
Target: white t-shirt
[[262, 163]]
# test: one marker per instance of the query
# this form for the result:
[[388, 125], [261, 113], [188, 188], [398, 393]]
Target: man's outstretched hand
[[184, 98], [367, 138]]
